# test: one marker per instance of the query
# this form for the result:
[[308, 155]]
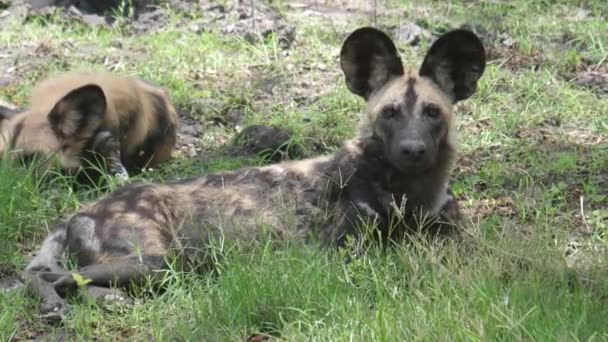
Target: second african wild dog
[[129, 122], [400, 160]]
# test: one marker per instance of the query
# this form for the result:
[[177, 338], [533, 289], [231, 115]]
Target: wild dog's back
[[283, 200]]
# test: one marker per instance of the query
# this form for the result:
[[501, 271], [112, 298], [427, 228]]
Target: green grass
[[532, 176]]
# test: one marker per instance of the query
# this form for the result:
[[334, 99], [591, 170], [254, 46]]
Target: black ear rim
[[367, 34], [458, 41], [368, 31], [91, 91], [88, 91], [461, 36]]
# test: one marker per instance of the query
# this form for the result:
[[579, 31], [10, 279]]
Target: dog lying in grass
[[398, 165], [128, 123]]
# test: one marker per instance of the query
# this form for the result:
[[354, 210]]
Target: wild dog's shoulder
[[134, 197], [290, 174]]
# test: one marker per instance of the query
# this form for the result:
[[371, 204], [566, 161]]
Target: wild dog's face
[[64, 131], [411, 113]]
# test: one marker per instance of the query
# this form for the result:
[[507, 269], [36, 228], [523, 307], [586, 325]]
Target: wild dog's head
[[411, 112], [64, 129]]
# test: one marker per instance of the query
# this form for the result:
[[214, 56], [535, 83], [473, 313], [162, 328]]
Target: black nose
[[413, 149]]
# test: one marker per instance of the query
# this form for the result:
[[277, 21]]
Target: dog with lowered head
[[127, 122], [399, 163]]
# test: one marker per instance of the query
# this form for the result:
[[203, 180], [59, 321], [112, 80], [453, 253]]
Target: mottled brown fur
[[136, 126], [124, 236]]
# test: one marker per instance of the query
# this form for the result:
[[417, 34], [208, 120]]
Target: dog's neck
[[361, 162]]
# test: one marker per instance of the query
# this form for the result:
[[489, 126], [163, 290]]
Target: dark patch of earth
[[8, 280], [250, 20], [6, 271], [88, 6], [504, 48], [595, 80], [189, 132], [9, 284], [272, 143]]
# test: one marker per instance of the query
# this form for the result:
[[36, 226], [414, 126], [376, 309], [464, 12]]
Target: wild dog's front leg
[[53, 308], [360, 219], [120, 272], [51, 287], [50, 251], [449, 220], [107, 144]]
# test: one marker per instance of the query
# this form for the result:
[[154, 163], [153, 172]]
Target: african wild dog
[[129, 122], [404, 149]]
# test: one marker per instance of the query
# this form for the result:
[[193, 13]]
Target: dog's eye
[[389, 112], [432, 112]]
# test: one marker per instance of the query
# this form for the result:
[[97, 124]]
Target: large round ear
[[79, 112], [369, 60], [455, 62]]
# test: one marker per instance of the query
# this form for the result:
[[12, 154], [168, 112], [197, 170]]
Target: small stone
[[506, 40], [410, 34], [206, 105], [6, 81], [217, 8], [116, 44], [10, 284], [94, 20], [593, 79], [196, 28], [188, 140], [187, 129], [234, 115], [581, 14]]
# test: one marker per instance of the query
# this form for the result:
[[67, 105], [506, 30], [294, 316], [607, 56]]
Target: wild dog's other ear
[[369, 60], [455, 62], [78, 112]]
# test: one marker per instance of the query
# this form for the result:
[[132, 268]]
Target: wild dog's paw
[[450, 220], [119, 172], [54, 312], [451, 210], [109, 296], [122, 176]]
